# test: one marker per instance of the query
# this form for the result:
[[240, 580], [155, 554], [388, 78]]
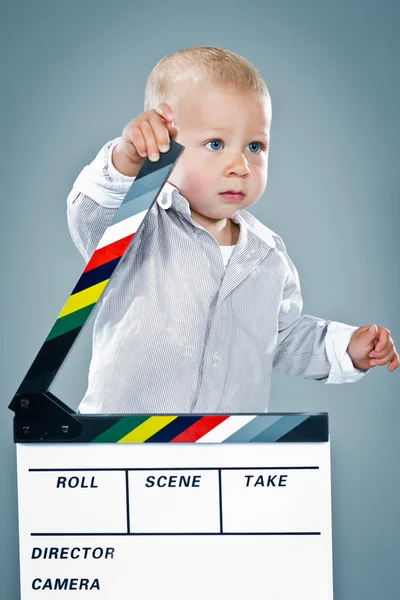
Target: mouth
[[232, 195]]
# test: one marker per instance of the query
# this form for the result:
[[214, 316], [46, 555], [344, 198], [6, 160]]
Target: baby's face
[[225, 133]]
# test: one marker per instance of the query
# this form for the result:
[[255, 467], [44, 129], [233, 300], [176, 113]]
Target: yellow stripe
[[146, 430], [83, 298]]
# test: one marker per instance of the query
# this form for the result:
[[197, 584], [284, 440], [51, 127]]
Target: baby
[[200, 312]]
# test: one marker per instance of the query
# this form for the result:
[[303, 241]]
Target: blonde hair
[[202, 63]]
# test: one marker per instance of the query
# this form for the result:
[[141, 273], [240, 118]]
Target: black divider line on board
[[54, 470], [138, 534], [128, 518], [221, 523]]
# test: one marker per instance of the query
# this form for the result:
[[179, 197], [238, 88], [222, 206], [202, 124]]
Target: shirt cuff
[[111, 170], [101, 181], [337, 339]]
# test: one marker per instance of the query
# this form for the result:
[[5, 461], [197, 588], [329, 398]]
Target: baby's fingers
[[382, 348], [394, 363], [165, 111], [389, 357], [151, 141], [383, 339], [136, 138], [160, 131], [173, 130]]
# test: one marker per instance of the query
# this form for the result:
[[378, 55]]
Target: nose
[[237, 164]]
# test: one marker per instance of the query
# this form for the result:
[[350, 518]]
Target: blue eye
[[251, 146], [215, 142]]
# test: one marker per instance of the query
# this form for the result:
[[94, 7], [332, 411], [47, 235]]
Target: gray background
[[73, 75]]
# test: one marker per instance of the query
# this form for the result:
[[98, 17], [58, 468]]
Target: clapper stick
[[124, 231]]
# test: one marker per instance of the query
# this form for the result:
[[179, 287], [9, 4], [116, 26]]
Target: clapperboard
[[182, 507]]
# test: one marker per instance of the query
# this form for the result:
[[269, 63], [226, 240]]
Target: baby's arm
[[308, 346], [96, 195], [101, 186]]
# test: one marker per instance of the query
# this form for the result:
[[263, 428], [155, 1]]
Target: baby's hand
[[146, 135], [372, 346]]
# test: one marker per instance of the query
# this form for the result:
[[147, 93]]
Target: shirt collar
[[170, 196]]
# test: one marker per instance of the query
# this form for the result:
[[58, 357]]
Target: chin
[[227, 214]]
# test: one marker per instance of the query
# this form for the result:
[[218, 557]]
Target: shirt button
[[164, 201], [216, 358]]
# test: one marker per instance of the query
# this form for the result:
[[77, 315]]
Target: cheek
[[198, 183], [191, 179], [260, 178]]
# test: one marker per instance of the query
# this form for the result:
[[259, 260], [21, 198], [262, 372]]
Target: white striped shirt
[[176, 332]]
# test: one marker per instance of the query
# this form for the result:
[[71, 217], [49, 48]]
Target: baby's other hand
[[145, 136], [372, 346]]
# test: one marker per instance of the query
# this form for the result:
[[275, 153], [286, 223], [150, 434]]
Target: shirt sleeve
[[308, 346], [101, 181], [337, 340], [97, 193]]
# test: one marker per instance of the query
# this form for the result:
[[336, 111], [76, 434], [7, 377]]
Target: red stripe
[[108, 253], [198, 429]]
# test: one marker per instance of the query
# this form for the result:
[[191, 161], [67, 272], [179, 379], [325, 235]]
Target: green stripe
[[71, 321], [120, 429]]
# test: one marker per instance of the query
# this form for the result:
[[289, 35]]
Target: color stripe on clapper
[[123, 230], [217, 429]]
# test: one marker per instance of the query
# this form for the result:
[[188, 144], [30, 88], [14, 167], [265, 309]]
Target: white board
[[175, 521]]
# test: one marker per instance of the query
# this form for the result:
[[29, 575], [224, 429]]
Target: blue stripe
[[252, 429], [142, 186], [133, 208], [280, 428], [96, 275]]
